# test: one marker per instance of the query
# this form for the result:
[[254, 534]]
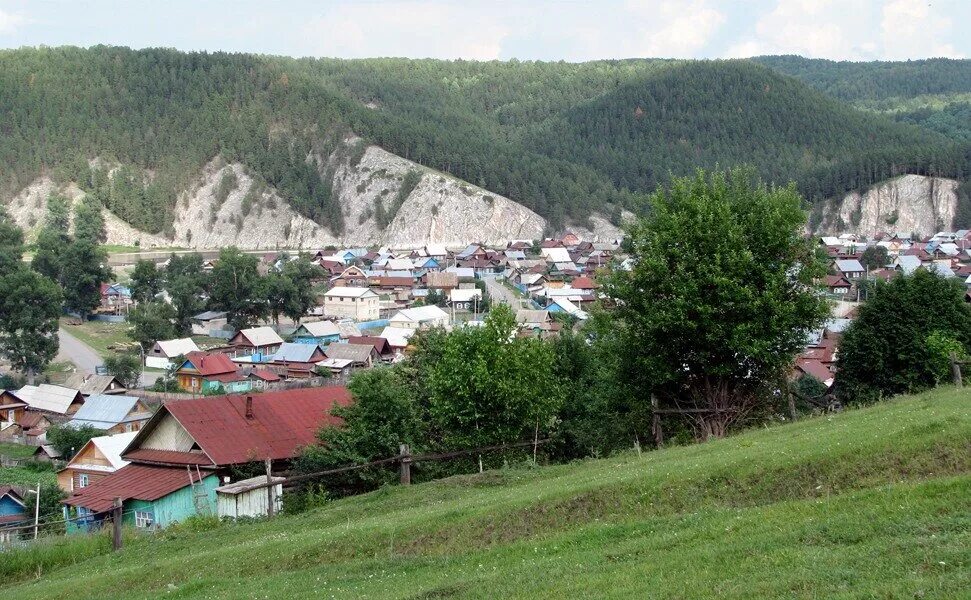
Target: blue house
[[13, 510], [318, 332]]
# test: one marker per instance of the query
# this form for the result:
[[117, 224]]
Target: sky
[[503, 30]]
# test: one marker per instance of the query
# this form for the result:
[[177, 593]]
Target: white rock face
[[905, 204], [603, 230], [440, 209]]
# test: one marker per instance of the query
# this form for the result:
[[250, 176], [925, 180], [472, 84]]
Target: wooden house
[[13, 511], [97, 459], [256, 341], [204, 372], [295, 360], [360, 355], [317, 332], [163, 352], [113, 414], [94, 385]]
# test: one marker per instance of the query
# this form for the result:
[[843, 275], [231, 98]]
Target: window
[[83, 480], [143, 519]]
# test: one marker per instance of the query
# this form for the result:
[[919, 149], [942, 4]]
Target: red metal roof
[[211, 363], [281, 423], [265, 375], [380, 344], [167, 457], [132, 482], [583, 283]]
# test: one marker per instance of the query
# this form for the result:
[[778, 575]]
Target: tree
[[126, 367], [53, 239], [719, 299], [68, 439], [280, 294], [146, 281], [30, 305], [895, 344], [301, 273], [238, 289], [875, 257], [89, 222], [11, 244], [84, 269], [187, 284], [151, 322]]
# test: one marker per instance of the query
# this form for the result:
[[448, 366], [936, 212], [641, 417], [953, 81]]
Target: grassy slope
[[871, 503]]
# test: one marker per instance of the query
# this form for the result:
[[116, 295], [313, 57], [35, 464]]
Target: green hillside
[[869, 503], [563, 139]]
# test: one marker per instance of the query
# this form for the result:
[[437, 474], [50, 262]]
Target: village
[[259, 395]]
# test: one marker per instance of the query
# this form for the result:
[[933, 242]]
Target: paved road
[[500, 293], [86, 358]]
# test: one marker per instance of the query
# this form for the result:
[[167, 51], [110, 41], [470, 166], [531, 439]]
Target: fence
[[956, 369]]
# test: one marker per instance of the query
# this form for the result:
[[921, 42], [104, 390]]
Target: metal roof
[[421, 314], [133, 482], [173, 348], [349, 292], [295, 352], [261, 336], [104, 411], [319, 328], [359, 353], [52, 398]]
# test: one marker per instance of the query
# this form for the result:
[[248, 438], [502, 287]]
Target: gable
[[166, 434]]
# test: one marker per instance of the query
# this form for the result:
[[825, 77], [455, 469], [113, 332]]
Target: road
[[500, 293], [86, 358]]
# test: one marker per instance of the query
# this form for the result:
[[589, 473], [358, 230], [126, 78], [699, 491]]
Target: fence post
[[956, 370], [116, 525], [405, 464], [792, 404], [269, 488], [656, 423]]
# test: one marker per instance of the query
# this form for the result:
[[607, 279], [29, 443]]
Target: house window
[[143, 519], [83, 480]]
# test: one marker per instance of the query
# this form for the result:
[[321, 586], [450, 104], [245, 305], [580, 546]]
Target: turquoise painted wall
[[8, 506], [235, 387], [176, 506]]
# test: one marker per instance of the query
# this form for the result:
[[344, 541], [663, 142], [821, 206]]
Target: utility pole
[[116, 525], [269, 488], [405, 452], [37, 510]]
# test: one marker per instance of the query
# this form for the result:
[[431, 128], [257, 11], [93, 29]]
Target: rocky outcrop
[[906, 204]]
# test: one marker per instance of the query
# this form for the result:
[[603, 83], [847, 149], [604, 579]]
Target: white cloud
[[9, 22], [676, 29], [414, 28], [910, 28]]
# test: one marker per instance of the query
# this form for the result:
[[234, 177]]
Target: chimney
[[249, 407]]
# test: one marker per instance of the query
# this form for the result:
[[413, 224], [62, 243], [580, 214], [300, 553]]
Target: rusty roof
[[211, 363], [133, 482], [282, 422]]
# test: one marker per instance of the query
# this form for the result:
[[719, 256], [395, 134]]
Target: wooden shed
[[245, 499]]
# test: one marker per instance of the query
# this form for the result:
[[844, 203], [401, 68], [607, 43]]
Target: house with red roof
[[209, 372], [187, 449]]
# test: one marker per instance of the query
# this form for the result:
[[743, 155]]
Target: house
[[97, 459], [564, 305], [295, 360], [570, 239], [46, 453], [907, 263], [339, 367], [462, 272], [317, 332], [163, 352], [348, 330], [849, 268], [54, 399], [248, 498], [556, 255], [209, 322], [115, 297], [583, 283], [113, 414], [204, 372], [421, 317], [95, 385], [472, 251], [13, 512], [259, 342], [261, 378], [465, 298], [352, 276], [176, 460], [534, 320], [360, 355], [12, 408], [359, 303], [381, 345], [441, 280], [837, 284], [397, 337]]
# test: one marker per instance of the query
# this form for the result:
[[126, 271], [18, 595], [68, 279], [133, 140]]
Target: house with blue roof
[[112, 413], [295, 360]]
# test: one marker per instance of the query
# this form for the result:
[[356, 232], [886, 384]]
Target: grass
[[11, 450], [27, 476], [100, 335], [872, 503]]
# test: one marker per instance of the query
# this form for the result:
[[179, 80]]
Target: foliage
[[84, 269], [89, 223], [30, 305], [238, 288], [151, 322], [68, 439], [894, 345], [940, 349], [52, 240], [290, 291], [720, 296], [11, 244], [146, 281], [126, 367], [186, 283], [875, 257], [809, 386]]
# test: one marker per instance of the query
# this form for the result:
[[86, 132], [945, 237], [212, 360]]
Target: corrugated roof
[[52, 398], [295, 352], [211, 363], [282, 422], [105, 411], [421, 314], [133, 482], [173, 348], [380, 344], [397, 336], [320, 328], [348, 292], [90, 385], [359, 353], [167, 457], [261, 336]]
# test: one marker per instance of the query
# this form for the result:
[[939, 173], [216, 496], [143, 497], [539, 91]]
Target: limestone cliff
[[905, 204]]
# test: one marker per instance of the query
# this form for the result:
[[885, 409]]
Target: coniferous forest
[[564, 139]]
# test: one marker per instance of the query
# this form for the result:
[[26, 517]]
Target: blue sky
[[471, 29]]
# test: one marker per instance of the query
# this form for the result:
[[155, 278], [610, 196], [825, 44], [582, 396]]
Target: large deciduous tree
[[720, 296], [30, 305], [11, 244], [238, 288], [53, 239], [84, 269], [891, 347], [146, 281], [187, 285], [151, 322]]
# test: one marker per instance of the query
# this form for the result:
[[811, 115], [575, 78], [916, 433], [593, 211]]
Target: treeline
[[565, 140]]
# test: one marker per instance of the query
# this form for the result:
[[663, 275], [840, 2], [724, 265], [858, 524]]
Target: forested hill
[[565, 140]]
